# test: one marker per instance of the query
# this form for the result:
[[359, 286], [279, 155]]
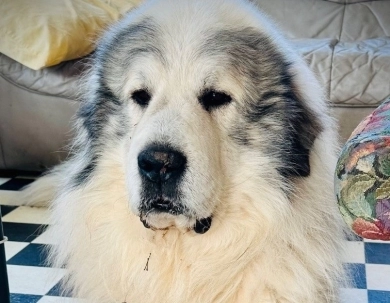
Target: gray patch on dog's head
[[272, 105], [115, 53], [118, 51]]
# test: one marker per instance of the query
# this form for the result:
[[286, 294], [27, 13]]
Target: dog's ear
[[274, 103], [302, 129]]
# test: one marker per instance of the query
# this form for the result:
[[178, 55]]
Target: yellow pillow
[[41, 33]]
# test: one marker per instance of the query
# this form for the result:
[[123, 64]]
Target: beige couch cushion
[[347, 42], [360, 73], [349, 1], [318, 53], [303, 19], [366, 20]]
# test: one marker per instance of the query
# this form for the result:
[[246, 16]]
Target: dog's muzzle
[[161, 169]]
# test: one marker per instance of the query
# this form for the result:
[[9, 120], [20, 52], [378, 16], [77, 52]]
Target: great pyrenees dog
[[202, 168]]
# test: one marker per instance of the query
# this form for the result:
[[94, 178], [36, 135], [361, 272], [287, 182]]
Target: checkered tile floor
[[31, 280]]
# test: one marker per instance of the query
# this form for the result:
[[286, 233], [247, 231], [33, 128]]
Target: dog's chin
[[165, 221]]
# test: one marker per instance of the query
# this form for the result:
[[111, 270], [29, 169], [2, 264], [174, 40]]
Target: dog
[[202, 167]]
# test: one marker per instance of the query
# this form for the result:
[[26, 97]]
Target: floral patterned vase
[[362, 177]]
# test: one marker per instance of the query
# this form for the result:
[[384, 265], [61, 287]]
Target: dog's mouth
[[160, 214], [161, 205], [201, 225], [166, 205]]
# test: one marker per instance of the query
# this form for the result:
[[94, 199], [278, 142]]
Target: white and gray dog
[[202, 168]]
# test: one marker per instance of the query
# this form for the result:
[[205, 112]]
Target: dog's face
[[192, 102]]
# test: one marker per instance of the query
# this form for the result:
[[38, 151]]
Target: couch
[[346, 42]]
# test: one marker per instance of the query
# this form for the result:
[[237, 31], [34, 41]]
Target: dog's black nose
[[158, 164]]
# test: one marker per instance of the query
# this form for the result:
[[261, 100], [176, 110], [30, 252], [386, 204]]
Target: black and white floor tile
[[33, 281]]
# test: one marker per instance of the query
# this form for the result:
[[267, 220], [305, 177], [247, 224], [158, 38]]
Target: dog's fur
[[260, 166]]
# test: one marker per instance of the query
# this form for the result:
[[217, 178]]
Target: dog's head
[[197, 96]]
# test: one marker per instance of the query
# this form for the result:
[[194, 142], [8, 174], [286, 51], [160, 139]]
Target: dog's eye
[[141, 97], [212, 99]]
